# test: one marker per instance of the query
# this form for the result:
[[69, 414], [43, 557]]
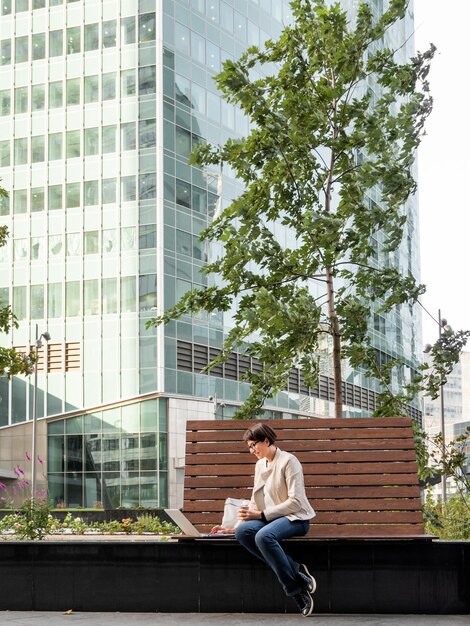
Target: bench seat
[[360, 473]]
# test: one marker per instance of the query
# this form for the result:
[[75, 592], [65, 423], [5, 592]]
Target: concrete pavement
[[43, 618]]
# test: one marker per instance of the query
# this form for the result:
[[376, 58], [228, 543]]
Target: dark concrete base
[[219, 576]]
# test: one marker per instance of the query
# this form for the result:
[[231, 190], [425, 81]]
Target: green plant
[[435, 457], [32, 521], [153, 524], [450, 519]]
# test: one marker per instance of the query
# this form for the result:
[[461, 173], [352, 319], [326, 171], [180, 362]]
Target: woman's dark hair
[[260, 432]]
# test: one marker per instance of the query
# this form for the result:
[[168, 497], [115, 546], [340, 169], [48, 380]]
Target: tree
[[11, 361], [322, 138]]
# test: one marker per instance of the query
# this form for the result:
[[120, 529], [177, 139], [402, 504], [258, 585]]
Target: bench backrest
[[360, 474]]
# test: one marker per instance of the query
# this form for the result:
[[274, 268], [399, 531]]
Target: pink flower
[[3, 486], [19, 471], [40, 460], [28, 458]]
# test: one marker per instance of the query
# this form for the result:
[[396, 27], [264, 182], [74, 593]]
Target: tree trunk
[[337, 377]]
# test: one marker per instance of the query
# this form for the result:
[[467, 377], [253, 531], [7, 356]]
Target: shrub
[[450, 519]]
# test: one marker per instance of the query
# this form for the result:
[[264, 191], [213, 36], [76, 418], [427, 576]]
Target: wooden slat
[[304, 457], [351, 531], [411, 531], [316, 422], [310, 469], [346, 433], [328, 517], [304, 445], [313, 493], [404, 504]]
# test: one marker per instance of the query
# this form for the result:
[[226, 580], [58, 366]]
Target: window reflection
[[108, 466]]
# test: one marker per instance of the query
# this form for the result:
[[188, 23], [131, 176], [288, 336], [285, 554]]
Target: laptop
[[189, 530]]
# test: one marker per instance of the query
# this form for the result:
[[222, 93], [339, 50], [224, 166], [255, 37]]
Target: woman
[[279, 509]]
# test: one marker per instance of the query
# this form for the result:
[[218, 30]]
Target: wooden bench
[[360, 474]]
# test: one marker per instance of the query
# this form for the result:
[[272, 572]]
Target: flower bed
[[34, 520]]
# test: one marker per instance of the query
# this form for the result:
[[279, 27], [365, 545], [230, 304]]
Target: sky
[[444, 166]]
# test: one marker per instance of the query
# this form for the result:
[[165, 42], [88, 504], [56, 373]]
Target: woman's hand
[[245, 514], [220, 530]]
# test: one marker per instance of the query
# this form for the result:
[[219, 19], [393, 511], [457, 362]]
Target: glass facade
[[111, 458], [101, 103]]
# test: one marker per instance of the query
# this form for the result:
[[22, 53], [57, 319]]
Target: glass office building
[[101, 103]]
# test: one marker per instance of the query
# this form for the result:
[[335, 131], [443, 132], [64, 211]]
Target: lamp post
[[37, 345], [442, 322]]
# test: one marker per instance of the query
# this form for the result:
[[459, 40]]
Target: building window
[[108, 191], [128, 193], [147, 79], [36, 248], [55, 197], [128, 294], [91, 89], [21, 151], [147, 27], [147, 134], [37, 97], [20, 201], [109, 86], [20, 249], [91, 242], [21, 49], [109, 295], [19, 302], [39, 46], [37, 149], [128, 30], [21, 100], [91, 141], [73, 91], [108, 139], [128, 238], [90, 192], [147, 236], [73, 40], [37, 199], [183, 193], [55, 146], [4, 153], [54, 300], [56, 43], [73, 244], [128, 139], [5, 102], [72, 298], [56, 94], [72, 195], [109, 241], [147, 292], [37, 302], [5, 52], [92, 37], [128, 83], [73, 144], [109, 34], [90, 297], [147, 186], [55, 245]]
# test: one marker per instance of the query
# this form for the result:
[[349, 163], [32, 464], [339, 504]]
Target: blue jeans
[[263, 540]]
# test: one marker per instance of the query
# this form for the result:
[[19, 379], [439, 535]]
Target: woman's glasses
[[252, 446]]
